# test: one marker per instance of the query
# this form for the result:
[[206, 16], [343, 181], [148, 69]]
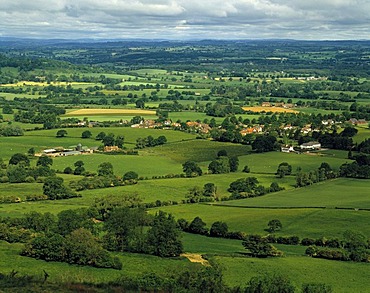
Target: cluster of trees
[[341, 141], [31, 112], [324, 172], [360, 168], [196, 194], [110, 139], [125, 232], [223, 164], [150, 141], [79, 247], [223, 108], [54, 189], [19, 170], [11, 130], [354, 246], [259, 246], [73, 236], [248, 187], [102, 179], [198, 226]]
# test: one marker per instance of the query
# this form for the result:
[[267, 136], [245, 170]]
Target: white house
[[312, 145]]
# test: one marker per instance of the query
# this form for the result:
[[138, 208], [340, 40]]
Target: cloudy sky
[[186, 19]]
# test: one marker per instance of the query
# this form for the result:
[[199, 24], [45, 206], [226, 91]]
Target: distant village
[[205, 128]]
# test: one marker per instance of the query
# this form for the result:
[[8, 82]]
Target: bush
[[36, 197]]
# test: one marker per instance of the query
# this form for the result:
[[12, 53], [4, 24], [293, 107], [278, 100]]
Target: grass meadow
[[238, 269], [133, 265]]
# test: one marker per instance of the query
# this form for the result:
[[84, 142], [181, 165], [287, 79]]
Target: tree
[[61, 133], [258, 246], [163, 238], [274, 225], [79, 167], [86, 134], [70, 220], [100, 136], [105, 169], [219, 166], [19, 158], [68, 170], [108, 140], [83, 248], [197, 226], [246, 169], [209, 189], [269, 284], [234, 163], [130, 175], [283, 169], [44, 161], [119, 141], [124, 229], [16, 173], [355, 243], [31, 152], [218, 229], [222, 153], [349, 132], [140, 104], [54, 188], [264, 143], [7, 109], [191, 169]]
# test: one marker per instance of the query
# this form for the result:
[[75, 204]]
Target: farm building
[[312, 145]]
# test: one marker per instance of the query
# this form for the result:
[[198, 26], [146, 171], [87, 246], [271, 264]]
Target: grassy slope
[[238, 269]]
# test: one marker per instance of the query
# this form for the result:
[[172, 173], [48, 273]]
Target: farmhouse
[[287, 149], [312, 145]]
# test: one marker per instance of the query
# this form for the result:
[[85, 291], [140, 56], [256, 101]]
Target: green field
[[104, 85], [343, 193]]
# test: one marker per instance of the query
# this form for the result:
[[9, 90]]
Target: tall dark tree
[[124, 229], [264, 143], [234, 163], [163, 238], [197, 226], [218, 229]]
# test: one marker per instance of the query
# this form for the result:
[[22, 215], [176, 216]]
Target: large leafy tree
[[163, 238], [19, 158], [105, 169], [54, 188], [124, 229], [61, 133], [219, 166], [264, 143], [44, 161], [191, 169], [70, 220]]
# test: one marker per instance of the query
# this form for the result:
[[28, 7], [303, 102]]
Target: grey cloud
[[315, 19]]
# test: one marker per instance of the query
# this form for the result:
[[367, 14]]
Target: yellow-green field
[[84, 112], [269, 109]]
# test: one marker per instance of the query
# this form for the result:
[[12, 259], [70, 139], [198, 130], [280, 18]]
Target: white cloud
[[317, 19]]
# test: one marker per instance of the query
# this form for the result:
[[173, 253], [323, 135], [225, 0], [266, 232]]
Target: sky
[[186, 19]]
